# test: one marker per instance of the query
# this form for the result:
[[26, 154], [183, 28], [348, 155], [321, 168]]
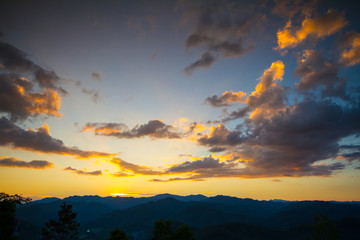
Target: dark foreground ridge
[[219, 217]]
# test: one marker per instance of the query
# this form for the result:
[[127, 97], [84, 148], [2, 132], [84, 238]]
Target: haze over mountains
[[219, 217]]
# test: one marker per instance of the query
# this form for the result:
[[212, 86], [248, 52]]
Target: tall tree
[[66, 228], [8, 214], [117, 234]]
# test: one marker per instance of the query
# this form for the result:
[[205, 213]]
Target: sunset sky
[[254, 99]]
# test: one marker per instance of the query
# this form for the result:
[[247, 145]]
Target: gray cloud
[[217, 149], [240, 113], [209, 167], [17, 95], [17, 163], [136, 169], [205, 61], [288, 8], [18, 99], [153, 129], [283, 139], [226, 98], [351, 156], [195, 165], [96, 76], [40, 141], [316, 72], [221, 136], [93, 93], [219, 28], [16, 61], [81, 172], [350, 54]]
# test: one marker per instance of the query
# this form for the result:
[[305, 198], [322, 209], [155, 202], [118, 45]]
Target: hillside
[[208, 217]]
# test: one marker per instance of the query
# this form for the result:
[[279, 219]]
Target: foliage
[[8, 214], [324, 229], [63, 229], [183, 233], [117, 234], [163, 231]]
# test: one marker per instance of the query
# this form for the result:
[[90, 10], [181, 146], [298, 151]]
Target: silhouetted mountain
[[208, 217], [301, 213]]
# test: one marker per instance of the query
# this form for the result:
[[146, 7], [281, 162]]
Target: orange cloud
[[351, 49], [270, 76], [47, 102], [317, 27]]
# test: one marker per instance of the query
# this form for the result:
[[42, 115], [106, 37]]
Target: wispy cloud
[[82, 172], [153, 129]]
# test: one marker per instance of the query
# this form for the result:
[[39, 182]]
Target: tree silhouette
[[8, 214], [183, 233], [63, 229], [324, 229], [163, 231], [117, 234]]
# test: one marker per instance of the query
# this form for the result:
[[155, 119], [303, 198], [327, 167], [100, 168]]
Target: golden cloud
[[317, 27]]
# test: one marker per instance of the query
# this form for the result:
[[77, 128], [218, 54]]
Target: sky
[[253, 99]]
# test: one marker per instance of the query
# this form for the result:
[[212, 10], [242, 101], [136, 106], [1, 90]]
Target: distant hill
[[234, 218]]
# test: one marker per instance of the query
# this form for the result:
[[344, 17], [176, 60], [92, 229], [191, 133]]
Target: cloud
[[350, 45], [209, 167], [153, 129], [206, 163], [93, 93], [351, 156], [18, 78], [317, 27], [122, 174], [40, 141], [289, 8], [81, 172], [96, 76], [205, 61], [217, 149], [18, 99], [315, 72], [281, 138], [226, 98], [220, 136], [240, 113], [16, 61], [136, 169], [17, 163], [219, 28]]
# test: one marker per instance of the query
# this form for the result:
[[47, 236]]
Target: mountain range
[[218, 217]]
